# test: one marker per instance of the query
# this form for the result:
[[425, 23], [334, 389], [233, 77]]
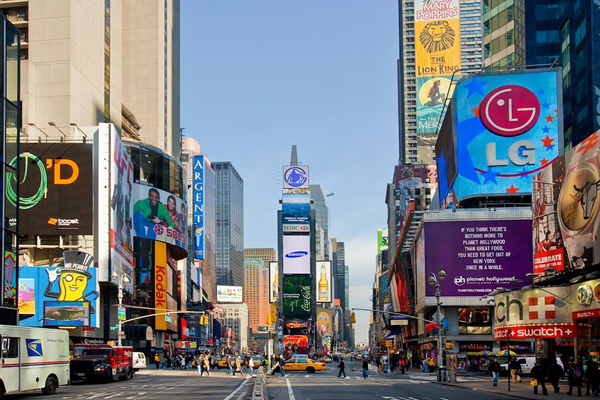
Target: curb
[[507, 394]]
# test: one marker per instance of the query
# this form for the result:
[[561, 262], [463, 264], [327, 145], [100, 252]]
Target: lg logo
[[509, 110]]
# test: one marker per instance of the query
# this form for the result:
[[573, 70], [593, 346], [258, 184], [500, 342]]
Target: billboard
[[229, 294], [382, 239], [296, 254], [295, 212], [325, 322], [295, 341], [437, 52], [445, 155], [198, 204], [565, 210], [161, 284], [121, 211], [478, 256], [273, 282], [508, 128], [323, 284], [66, 295], [159, 215], [56, 189], [297, 296], [295, 177]]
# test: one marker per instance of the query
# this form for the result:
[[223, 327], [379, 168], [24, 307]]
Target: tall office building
[[96, 61], [504, 32], [471, 34], [229, 225], [264, 253], [256, 292], [235, 321], [319, 204]]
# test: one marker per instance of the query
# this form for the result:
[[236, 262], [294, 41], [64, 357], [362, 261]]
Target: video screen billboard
[[297, 294], [295, 212], [508, 128], [478, 256], [445, 155], [437, 51], [273, 282], [565, 210], [56, 189], [159, 215], [65, 295], [121, 211], [295, 177], [323, 283], [296, 254], [199, 209], [230, 294], [382, 239]]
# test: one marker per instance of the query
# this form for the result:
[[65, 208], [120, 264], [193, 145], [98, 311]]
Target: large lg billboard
[[56, 189], [478, 255], [508, 127], [296, 254]]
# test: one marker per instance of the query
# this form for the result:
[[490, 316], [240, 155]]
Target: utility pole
[[434, 280]]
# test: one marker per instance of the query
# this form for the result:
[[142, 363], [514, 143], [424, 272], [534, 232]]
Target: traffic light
[[352, 318]]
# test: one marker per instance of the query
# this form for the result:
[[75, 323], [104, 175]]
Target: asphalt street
[[154, 384], [326, 385]]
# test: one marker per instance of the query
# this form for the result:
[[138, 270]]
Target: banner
[[159, 215], [273, 282], [437, 51], [198, 204], [60, 295], [121, 211], [382, 239], [160, 285]]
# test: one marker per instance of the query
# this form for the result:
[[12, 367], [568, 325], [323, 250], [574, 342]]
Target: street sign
[[168, 318], [114, 328], [122, 314]]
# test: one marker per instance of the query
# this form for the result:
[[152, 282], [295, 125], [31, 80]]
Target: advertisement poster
[[478, 256], [159, 215], [198, 204], [229, 294], [297, 296], [295, 212], [121, 211], [60, 295], [56, 189], [382, 239], [295, 177], [273, 282], [323, 282], [294, 341], [10, 275], [437, 50], [161, 283], [508, 128], [565, 210], [325, 322], [296, 254]]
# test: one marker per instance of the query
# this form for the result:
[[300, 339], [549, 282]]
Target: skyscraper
[[319, 204], [229, 225], [256, 291], [504, 32], [264, 253], [471, 34]]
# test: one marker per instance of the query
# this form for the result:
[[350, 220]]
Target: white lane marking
[[290, 391], [443, 398], [344, 383], [241, 385], [98, 395], [112, 395], [139, 394]]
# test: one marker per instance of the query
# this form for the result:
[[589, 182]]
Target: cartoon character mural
[[60, 295]]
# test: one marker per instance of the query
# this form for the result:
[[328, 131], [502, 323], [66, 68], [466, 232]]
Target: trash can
[[442, 372]]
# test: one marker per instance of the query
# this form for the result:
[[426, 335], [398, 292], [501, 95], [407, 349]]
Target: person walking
[[402, 365], [591, 377], [555, 374], [378, 365], [538, 373], [251, 366], [342, 367], [515, 370], [494, 369], [282, 365], [365, 369], [575, 374], [228, 362], [205, 366], [157, 361]]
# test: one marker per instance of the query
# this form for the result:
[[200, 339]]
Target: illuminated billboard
[[295, 177], [55, 188], [296, 254], [198, 204], [295, 212], [323, 282], [297, 296], [382, 239], [506, 128], [159, 215], [437, 56], [565, 211], [65, 295], [161, 284], [229, 294], [273, 281]]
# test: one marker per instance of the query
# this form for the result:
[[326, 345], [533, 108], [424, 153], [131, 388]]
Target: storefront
[[585, 297]]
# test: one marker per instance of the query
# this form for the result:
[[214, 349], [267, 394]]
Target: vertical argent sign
[[198, 204]]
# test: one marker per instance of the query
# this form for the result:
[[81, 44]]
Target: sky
[[258, 76]]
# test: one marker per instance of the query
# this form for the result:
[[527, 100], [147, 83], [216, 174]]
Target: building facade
[[229, 225], [319, 204], [236, 321], [264, 253], [256, 292], [504, 33]]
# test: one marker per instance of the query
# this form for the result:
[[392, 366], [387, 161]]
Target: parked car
[[139, 360], [101, 362]]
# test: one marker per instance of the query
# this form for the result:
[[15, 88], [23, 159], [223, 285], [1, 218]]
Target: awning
[[391, 333]]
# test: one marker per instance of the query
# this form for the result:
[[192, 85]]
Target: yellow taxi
[[304, 364], [258, 361], [222, 363], [326, 360]]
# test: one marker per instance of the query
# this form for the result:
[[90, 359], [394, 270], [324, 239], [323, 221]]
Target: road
[[326, 385], [154, 384]]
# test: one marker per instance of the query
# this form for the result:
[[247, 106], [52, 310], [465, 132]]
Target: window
[[10, 347]]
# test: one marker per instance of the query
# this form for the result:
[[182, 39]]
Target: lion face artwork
[[437, 36]]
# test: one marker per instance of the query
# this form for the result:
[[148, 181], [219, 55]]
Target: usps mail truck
[[32, 359]]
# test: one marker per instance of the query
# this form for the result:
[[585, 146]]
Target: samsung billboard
[[296, 254]]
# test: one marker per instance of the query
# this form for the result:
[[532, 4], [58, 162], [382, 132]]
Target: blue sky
[[258, 76]]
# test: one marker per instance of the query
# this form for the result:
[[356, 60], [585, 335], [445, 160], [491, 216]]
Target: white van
[[139, 360], [32, 359], [527, 363]]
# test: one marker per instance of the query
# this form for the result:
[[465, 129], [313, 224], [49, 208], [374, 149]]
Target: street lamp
[[434, 280], [123, 280]]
